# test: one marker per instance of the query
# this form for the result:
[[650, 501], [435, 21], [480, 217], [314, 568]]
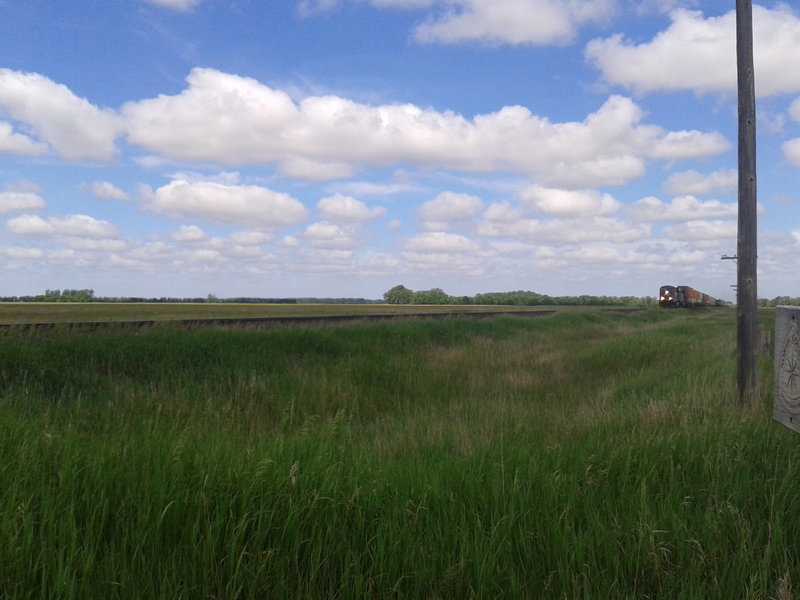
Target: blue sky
[[341, 147]]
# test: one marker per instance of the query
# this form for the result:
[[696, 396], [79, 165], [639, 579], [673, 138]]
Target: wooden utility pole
[[746, 295]]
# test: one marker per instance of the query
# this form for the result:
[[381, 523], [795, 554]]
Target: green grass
[[585, 455], [77, 312]]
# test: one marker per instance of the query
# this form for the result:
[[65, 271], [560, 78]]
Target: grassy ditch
[[585, 455]]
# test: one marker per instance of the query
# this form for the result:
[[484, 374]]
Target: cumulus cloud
[[332, 236], [682, 208], [12, 142], [569, 203], [539, 22], [13, 202], [189, 233], [513, 22], [558, 232], [345, 208], [448, 206], [702, 230], [683, 145], [694, 183], [29, 225], [791, 152], [107, 190], [95, 245], [607, 254], [235, 204], [226, 119], [501, 211], [437, 242], [73, 127], [78, 226], [699, 54], [315, 170], [23, 253], [794, 110], [83, 226], [250, 238]]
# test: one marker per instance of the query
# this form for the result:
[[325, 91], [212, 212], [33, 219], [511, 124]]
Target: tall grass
[[585, 455]]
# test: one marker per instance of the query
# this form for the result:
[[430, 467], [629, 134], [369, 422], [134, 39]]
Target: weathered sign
[[787, 367]]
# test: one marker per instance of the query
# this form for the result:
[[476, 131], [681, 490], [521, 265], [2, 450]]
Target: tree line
[[89, 296], [400, 294]]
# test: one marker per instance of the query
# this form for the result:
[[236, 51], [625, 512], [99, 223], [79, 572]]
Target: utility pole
[[746, 295]]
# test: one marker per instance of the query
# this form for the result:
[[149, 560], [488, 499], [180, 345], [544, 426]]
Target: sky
[[337, 148]]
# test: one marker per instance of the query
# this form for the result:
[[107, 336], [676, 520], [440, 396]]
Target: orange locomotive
[[682, 296]]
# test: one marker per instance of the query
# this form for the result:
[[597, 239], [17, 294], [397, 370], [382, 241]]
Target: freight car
[[682, 296]]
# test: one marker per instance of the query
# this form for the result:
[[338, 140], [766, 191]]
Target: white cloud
[[240, 205], [794, 110], [332, 235], [72, 126], [104, 189], [368, 188], [17, 143], [791, 151], [220, 118], [227, 119], [600, 255], [683, 145], [446, 263], [702, 230], [83, 226], [223, 177], [29, 225], [450, 206], [566, 231], [687, 257], [682, 208], [694, 183], [189, 233], [441, 242], [24, 253], [94, 245], [12, 202], [250, 238], [569, 203], [540, 22], [315, 170], [179, 5], [379, 264], [501, 211], [699, 54], [346, 208], [203, 256]]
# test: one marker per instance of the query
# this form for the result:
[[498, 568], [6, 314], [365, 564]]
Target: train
[[682, 296]]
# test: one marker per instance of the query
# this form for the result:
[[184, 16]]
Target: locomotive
[[682, 296]]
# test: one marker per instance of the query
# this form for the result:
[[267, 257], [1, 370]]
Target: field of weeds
[[81, 312], [583, 455]]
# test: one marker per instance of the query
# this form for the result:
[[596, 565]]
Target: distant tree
[[399, 294], [432, 296]]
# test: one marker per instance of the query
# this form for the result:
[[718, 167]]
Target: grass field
[[77, 312], [585, 455]]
